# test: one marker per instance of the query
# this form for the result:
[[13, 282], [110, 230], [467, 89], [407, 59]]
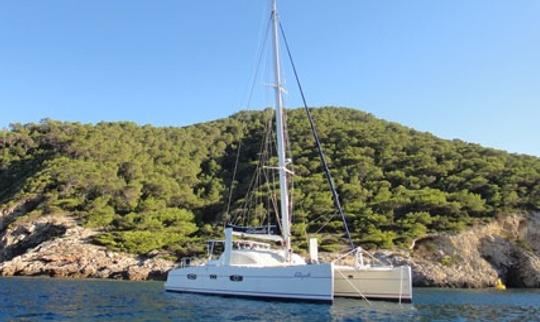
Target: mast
[[284, 194]]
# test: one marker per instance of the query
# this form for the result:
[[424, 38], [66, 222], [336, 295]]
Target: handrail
[[362, 251], [373, 257], [185, 262]]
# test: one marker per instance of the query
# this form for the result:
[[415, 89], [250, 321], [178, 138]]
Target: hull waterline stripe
[[374, 294], [259, 276], [297, 295], [264, 298], [378, 298]]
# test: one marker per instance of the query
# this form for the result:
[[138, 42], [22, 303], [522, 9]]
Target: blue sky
[[467, 69]]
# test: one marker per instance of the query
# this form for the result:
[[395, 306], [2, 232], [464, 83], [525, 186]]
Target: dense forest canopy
[[147, 188]]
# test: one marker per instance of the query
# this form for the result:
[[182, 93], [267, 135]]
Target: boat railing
[[186, 262], [211, 248], [362, 258], [249, 244]]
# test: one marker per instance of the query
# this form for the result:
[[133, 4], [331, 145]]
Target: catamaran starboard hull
[[379, 283]]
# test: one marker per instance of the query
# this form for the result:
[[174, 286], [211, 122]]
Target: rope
[[253, 198], [232, 184], [259, 59], [325, 224], [354, 287], [317, 141], [261, 52]]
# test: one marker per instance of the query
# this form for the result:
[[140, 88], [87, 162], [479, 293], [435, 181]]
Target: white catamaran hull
[[385, 283], [298, 282]]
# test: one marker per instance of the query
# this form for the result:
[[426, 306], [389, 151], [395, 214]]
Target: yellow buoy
[[499, 285]]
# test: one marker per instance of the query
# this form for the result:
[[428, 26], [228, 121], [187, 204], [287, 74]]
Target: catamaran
[[251, 265]]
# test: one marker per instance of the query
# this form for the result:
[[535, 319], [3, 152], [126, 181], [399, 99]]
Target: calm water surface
[[43, 299]]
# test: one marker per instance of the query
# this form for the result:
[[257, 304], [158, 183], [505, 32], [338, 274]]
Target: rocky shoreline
[[506, 248], [56, 246]]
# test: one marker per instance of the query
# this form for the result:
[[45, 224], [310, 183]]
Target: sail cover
[[269, 232]]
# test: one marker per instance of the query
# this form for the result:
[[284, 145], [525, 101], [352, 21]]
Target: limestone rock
[[507, 248], [58, 247]]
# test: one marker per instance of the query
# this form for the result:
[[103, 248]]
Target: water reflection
[[38, 299]]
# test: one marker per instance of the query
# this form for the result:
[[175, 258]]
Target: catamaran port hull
[[298, 282], [379, 283]]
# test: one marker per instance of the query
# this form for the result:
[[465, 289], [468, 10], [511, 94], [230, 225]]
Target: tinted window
[[236, 278], [192, 276], [213, 276]]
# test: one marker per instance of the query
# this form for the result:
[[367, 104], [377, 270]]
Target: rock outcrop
[[507, 248], [56, 246]]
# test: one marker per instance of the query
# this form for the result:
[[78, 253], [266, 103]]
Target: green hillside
[[149, 188]]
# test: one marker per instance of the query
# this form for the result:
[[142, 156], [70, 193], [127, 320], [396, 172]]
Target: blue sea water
[[45, 299]]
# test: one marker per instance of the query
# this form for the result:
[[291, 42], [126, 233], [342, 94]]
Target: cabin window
[[192, 276], [213, 276], [236, 278]]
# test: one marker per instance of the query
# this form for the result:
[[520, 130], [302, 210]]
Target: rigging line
[[232, 183], [260, 173], [271, 202], [325, 224], [271, 148], [321, 216], [246, 206], [252, 183], [252, 194], [259, 60], [245, 202], [260, 55], [274, 201], [275, 180], [268, 151], [317, 141]]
